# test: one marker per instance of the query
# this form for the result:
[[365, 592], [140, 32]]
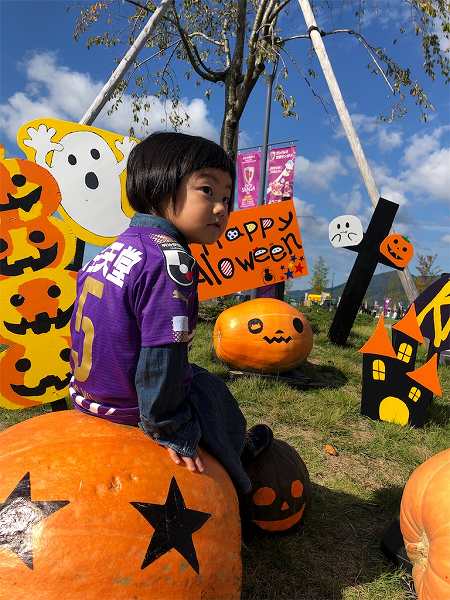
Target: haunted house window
[[414, 394], [379, 370], [404, 352]]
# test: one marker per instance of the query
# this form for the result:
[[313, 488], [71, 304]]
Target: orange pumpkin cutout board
[[89, 165], [260, 245], [377, 246], [393, 390], [36, 287], [91, 509]]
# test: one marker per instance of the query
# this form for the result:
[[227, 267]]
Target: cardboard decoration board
[[433, 313], [36, 286], [89, 165], [260, 245], [393, 390]]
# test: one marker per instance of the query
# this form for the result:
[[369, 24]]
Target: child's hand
[[193, 464]]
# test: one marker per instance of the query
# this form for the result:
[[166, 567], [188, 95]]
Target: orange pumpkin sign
[[264, 335], [425, 525], [94, 510], [397, 249]]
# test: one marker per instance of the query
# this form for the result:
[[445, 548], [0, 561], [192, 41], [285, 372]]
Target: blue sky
[[44, 72]]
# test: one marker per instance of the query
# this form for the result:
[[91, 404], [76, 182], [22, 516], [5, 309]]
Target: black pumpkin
[[281, 489]]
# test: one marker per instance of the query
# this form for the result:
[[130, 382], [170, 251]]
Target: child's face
[[202, 205]]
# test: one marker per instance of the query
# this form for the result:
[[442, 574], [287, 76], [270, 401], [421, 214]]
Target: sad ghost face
[[345, 230]]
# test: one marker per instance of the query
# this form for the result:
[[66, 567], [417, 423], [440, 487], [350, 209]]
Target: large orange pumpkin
[[425, 525], [265, 335], [91, 510]]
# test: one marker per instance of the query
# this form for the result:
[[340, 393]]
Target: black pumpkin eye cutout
[[255, 325], [17, 300], [3, 245], [405, 249], [71, 159], [396, 241], [19, 180], [23, 364], [37, 237], [54, 291], [65, 354], [298, 325], [95, 154]]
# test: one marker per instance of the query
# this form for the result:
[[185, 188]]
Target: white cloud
[[54, 90], [388, 140], [446, 239], [319, 174], [311, 225]]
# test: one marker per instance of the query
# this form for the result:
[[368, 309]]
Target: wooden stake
[[319, 47]]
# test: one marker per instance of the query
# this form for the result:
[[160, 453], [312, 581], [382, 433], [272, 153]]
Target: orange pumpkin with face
[[397, 249], [36, 305], [91, 510], [425, 526], [28, 191], [281, 490], [27, 247], [36, 373], [265, 335]]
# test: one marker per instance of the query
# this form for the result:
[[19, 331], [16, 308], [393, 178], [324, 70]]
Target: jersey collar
[[144, 220]]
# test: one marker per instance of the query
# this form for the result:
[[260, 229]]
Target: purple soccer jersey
[[140, 291]]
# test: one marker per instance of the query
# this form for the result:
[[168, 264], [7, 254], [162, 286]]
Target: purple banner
[[248, 167], [280, 174]]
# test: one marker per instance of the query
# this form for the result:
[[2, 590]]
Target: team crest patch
[[179, 263]]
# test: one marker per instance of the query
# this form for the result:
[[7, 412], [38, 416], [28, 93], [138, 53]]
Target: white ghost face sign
[[345, 230], [89, 167]]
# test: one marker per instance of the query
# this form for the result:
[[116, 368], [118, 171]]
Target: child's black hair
[[157, 165]]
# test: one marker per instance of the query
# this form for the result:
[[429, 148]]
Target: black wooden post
[[362, 271]]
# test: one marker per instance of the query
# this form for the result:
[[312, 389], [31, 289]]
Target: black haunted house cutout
[[392, 389]]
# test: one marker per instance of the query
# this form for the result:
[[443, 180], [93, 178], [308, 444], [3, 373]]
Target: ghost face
[[88, 175], [345, 230]]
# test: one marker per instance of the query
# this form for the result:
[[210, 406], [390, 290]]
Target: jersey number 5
[[84, 324]]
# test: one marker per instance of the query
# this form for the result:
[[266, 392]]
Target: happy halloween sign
[[261, 246]]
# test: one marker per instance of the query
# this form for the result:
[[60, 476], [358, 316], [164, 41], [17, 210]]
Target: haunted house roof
[[379, 342], [409, 325], [427, 376]]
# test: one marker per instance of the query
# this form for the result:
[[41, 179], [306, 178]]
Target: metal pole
[[319, 47], [269, 80], [93, 111]]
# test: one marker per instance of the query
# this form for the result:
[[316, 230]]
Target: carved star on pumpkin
[[174, 525], [18, 514]]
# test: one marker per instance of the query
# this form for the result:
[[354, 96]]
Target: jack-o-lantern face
[[397, 249], [281, 489], [35, 374], [35, 245], [28, 191], [263, 334], [37, 305], [90, 509]]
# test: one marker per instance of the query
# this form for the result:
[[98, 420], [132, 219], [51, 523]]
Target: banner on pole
[[280, 174], [248, 172], [261, 246]]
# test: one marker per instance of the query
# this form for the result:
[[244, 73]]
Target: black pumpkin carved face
[[281, 489]]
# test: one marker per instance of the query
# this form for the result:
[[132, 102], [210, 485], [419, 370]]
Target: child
[[136, 311]]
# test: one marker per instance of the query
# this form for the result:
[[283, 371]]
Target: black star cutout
[[174, 525], [18, 514]]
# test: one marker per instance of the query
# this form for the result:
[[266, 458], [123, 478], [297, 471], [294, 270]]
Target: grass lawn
[[355, 494]]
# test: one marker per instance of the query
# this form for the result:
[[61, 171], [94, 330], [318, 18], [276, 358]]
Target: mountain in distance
[[383, 285]]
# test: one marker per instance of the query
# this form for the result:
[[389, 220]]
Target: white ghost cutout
[[345, 230], [88, 174]]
